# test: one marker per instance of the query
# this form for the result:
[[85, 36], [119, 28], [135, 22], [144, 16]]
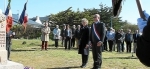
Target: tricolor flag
[[9, 19], [24, 17]]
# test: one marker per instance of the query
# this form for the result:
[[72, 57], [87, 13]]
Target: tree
[[74, 17]]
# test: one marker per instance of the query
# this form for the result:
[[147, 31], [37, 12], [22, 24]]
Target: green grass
[[30, 55]]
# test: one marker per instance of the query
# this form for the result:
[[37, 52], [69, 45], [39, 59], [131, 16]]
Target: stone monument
[[4, 63]]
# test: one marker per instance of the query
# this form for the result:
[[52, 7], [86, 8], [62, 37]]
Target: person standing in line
[[128, 40], [73, 36], [97, 36], [77, 36], [56, 33], [68, 37], [63, 35], [45, 36], [123, 38], [136, 35], [111, 37], [119, 40]]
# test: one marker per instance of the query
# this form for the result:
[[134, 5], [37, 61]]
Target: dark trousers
[[67, 42], [84, 59], [8, 46], [110, 42], [119, 47], [44, 45], [97, 55], [122, 44], [105, 45], [63, 41], [128, 45], [56, 42], [72, 42]]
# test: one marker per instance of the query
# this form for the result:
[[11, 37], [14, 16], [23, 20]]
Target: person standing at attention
[[84, 44], [56, 33], [97, 36], [45, 36]]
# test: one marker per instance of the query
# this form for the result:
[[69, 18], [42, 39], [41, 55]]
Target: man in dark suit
[[128, 40], [135, 37], [63, 34], [73, 36], [97, 36], [68, 36], [119, 40], [77, 36]]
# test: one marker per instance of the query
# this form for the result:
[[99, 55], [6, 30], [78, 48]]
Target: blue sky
[[45, 7]]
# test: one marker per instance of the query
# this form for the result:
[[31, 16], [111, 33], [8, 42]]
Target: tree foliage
[[74, 17], [71, 17]]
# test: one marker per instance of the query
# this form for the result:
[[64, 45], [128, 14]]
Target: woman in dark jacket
[[84, 44]]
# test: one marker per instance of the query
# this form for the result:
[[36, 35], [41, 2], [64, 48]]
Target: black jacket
[[143, 45], [77, 34], [84, 39], [135, 37]]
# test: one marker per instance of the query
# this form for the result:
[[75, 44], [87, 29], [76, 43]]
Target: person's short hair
[[78, 25], [57, 25], [85, 20], [97, 15]]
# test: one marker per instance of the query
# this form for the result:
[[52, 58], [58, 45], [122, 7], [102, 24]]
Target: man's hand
[[99, 43]]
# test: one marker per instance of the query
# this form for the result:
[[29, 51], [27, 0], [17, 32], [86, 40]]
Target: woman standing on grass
[[45, 36], [84, 47]]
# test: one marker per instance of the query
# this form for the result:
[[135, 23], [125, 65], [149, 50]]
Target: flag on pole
[[9, 18], [24, 17]]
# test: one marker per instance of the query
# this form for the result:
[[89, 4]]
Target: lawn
[[29, 54]]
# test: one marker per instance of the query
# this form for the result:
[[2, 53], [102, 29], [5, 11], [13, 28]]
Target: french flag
[[24, 17], [9, 18]]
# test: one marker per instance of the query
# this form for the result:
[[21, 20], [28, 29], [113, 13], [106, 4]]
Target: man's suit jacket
[[100, 28], [62, 33], [73, 32], [130, 36], [77, 34], [135, 37], [70, 33]]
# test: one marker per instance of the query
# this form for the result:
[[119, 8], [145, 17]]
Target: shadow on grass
[[129, 57], [64, 67], [54, 48], [21, 50]]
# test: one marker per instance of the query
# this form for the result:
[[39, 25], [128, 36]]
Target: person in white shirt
[[56, 33]]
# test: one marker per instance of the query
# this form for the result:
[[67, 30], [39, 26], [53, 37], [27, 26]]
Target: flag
[[117, 6], [24, 17], [9, 19]]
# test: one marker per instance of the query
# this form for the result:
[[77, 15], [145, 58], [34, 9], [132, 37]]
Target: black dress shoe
[[96, 68], [83, 66]]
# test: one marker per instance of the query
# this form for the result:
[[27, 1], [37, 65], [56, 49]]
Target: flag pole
[[140, 9]]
